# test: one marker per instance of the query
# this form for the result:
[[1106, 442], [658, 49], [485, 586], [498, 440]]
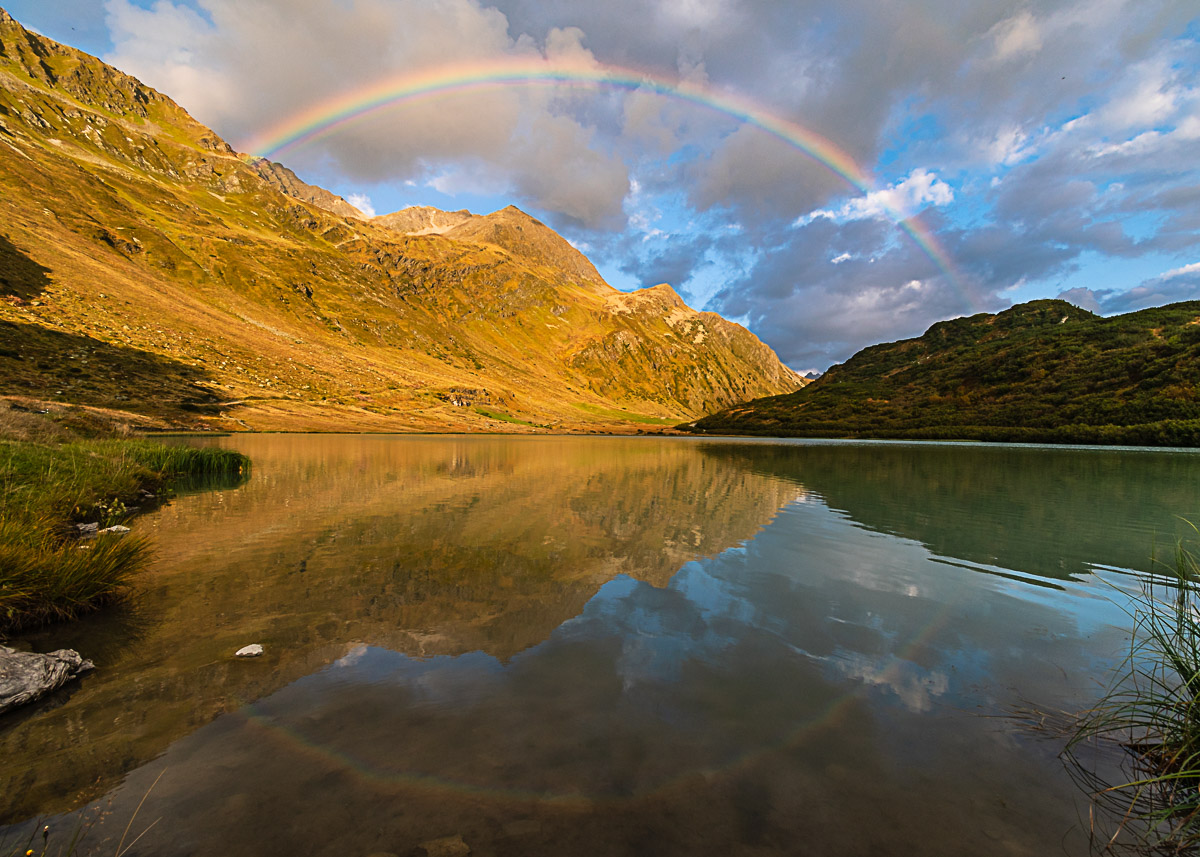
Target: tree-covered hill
[[1044, 371]]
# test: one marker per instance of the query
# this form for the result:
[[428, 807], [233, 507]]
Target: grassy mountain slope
[[1041, 371], [146, 267]]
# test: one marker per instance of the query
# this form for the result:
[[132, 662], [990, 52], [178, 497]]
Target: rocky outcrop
[[26, 676], [286, 181]]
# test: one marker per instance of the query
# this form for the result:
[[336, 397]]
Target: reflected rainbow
[[327, 117]]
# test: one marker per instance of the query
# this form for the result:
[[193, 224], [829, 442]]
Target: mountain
[[1044, 371], [149, 270]]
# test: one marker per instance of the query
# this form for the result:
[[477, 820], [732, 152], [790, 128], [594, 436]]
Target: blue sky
[[1048, 148]]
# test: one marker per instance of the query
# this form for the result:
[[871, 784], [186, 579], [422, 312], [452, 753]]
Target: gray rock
[[25, 676], [251, 651], [115, 528], [88, 528]]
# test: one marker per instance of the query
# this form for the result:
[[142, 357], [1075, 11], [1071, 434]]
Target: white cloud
[[167, 46], [470, 177], [693, 14], [920, 189], [1009, 146], [363, 203], [1149, 94], [1177, 284], [1083, 298], [1193, 268], [1017, 36]]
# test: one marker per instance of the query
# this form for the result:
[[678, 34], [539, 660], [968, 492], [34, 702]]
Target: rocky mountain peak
[[528, 238], [286, 181], [422, 220]]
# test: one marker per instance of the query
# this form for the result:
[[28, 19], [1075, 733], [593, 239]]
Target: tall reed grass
[[1151, 712], [46, 572]]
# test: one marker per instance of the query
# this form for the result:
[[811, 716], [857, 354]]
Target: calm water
[[603, 646]]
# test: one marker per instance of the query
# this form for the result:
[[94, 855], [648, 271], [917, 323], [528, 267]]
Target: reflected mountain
[[1053, 512], [688, 691], [422, 546]]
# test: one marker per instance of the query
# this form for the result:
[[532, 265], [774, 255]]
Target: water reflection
[[423, 545], [593, 647], [1049, 511]]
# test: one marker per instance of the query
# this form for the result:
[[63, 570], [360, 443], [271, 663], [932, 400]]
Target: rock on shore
[[26, 676]]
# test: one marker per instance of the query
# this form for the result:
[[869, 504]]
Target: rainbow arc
[[326, 118]]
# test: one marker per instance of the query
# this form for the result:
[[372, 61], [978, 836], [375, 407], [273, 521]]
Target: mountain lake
[[602, 646]]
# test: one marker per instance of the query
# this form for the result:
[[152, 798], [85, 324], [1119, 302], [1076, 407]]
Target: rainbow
[[328, 117]]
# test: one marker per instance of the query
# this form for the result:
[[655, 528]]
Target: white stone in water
[[251, 651], [115, 528]]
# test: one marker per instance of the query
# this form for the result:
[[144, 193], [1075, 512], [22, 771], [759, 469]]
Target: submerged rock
[[26, 676], [115, 528], [251, 651], [447, 846]]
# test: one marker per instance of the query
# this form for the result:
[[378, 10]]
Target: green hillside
[[1044, 371]]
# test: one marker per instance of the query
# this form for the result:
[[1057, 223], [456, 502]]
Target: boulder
[[251, 651], [25, 676]]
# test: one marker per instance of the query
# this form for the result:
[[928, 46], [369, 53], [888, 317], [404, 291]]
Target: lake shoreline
[[67, 492]]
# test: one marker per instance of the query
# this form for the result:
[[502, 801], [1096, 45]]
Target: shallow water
[[604, 646]]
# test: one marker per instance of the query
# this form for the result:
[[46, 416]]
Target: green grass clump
[[47, 487], [627, 416], [44, 578], [502, 417], [1152, 711]]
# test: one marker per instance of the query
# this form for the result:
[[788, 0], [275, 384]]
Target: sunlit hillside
[[147, 268]]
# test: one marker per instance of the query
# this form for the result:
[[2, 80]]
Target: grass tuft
[[1152, 713], [48, 486]]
